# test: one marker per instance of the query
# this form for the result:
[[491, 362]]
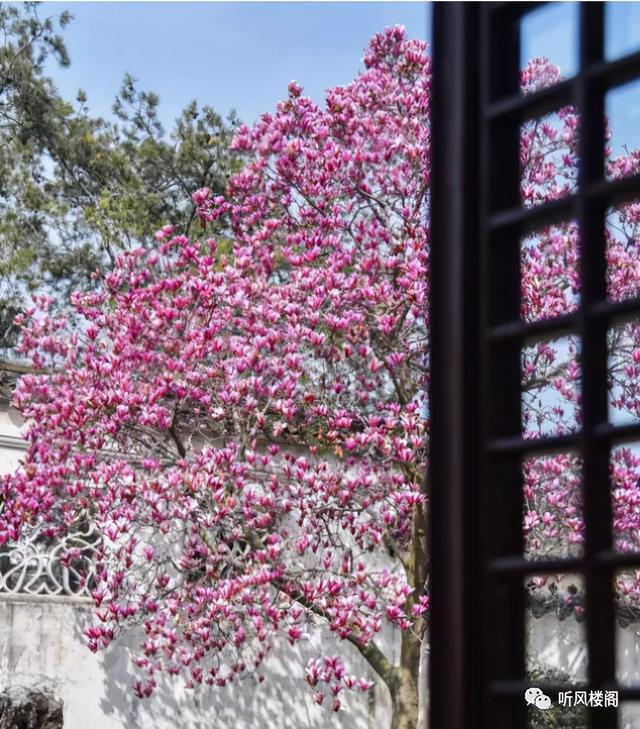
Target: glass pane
[[559, 716], [621, 29], [550, 280], [549, 44], [627, 597], [625, 495], [622, 233], [623, 342], [550, 386], [622, 151], [555, 636], [549, 157], [629, 715], [552, 504]]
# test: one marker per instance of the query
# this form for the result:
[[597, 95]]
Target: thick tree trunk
[[404, 701], [405, 683], [403, 686]]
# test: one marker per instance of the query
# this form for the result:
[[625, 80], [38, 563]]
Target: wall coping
[[25, 597]]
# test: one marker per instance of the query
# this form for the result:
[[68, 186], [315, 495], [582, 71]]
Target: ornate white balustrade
[[39, 565]]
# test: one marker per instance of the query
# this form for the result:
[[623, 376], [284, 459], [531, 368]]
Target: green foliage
[[29, 112], [557, 717], [74, 189]]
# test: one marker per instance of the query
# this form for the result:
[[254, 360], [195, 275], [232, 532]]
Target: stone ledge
[[25, 597], [11, 441]]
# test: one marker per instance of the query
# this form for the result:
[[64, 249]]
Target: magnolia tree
[[244, 420]]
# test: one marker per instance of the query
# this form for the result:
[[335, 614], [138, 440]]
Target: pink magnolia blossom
[[244, 420]]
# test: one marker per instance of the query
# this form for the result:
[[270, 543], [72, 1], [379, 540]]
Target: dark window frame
[[475, 480]]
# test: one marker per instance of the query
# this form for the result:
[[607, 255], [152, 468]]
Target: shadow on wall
[[281, 701]]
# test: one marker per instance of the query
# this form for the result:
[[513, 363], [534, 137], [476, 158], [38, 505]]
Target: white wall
[[41, 646], [12, 446], [561, 645]]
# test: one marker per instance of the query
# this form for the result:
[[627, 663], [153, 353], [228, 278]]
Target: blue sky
[[238, 55], [551, 31], [243, 54]]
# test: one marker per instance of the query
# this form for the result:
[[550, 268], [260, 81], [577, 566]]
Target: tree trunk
[[404, 701], [403, 686]]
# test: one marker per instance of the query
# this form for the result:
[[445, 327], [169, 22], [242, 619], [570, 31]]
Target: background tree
[[29, 112], [245, 424], [78, 189]]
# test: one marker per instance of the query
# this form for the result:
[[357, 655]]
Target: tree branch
[[369, 651], [21, 369]]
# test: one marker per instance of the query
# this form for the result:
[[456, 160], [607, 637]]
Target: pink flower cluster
[[331, 672], [243, 419]]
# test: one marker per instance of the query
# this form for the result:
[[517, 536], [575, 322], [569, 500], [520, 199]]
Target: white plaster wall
[[12, 446], [628, 671], [561, 645], [557, 644], [41, 646]]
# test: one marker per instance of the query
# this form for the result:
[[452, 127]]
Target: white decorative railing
[[40, 565]]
